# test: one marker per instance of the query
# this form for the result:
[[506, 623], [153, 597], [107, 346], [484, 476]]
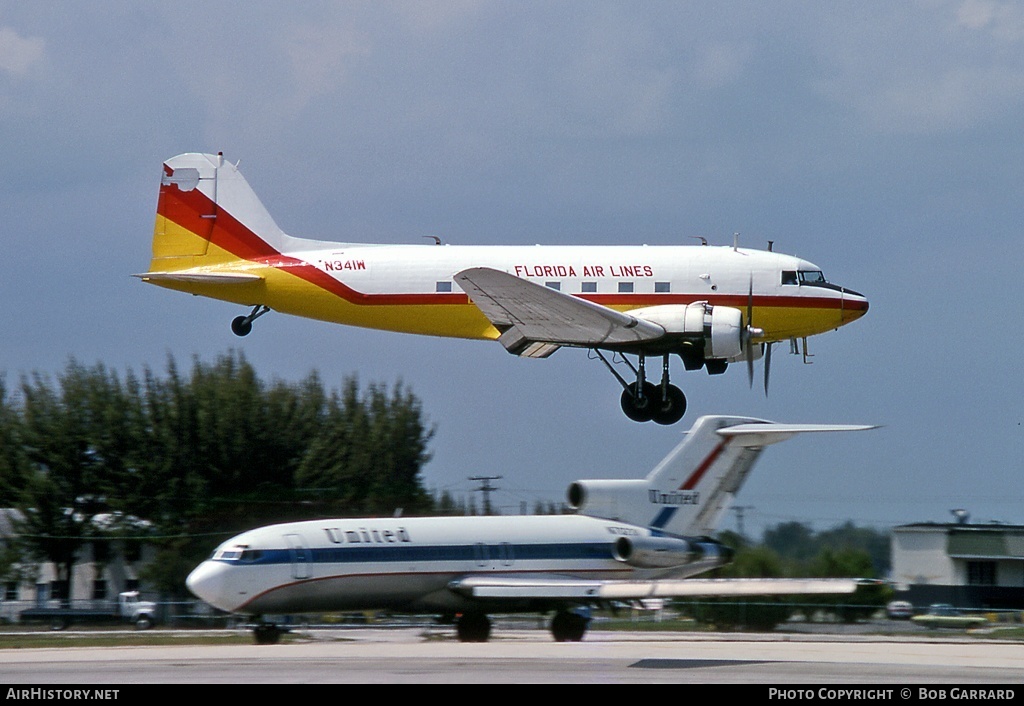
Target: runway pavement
[[414, 655]]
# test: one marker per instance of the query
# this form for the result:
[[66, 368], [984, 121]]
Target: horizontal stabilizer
[[527, 313], [511, 587], [763, 434], [199, 277]]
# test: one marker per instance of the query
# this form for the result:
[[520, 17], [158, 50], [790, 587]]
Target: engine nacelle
[[609, 499], [720, 327], [654, 552]]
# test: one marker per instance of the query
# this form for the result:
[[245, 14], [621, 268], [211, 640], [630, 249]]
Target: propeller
[[749, 334]]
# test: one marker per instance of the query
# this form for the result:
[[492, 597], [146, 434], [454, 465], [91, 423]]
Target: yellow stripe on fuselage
[[289, 293]]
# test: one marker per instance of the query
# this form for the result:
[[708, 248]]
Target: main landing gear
[[473, 627], [242, 325], [566, 626], [643, 401], [264, 633]]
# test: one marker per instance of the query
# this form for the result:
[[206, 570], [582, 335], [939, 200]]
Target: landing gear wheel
[[640, 410], [266, 634], [473, 627], [568, 627], [670, 409], [241, 326]]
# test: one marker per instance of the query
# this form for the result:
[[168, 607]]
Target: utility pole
[[739, 510], [486, 488]]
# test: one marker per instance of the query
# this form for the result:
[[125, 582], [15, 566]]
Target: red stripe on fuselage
[[230, 234]]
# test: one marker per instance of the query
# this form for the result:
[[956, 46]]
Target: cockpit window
[[789, 276], [811, 277], [239, 551]]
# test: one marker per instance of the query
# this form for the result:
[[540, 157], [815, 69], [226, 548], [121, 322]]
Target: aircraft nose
[[208, 582], [855, 305]]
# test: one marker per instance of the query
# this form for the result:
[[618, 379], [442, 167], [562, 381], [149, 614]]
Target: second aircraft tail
[[686, 494]]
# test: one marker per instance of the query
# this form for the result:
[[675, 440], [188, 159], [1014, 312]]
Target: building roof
[[962, 527]]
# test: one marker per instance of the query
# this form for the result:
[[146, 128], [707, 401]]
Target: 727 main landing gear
[[643, 401]]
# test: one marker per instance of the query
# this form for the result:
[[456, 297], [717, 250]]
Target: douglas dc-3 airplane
[[630, 540], [708, 305]]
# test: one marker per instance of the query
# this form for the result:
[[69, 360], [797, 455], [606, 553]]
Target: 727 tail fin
[[689, 490]]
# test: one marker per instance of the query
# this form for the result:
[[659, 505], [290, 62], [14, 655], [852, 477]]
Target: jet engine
[[654, 552], [608, 499]]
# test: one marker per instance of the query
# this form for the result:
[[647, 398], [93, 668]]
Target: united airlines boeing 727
[[630, 540]]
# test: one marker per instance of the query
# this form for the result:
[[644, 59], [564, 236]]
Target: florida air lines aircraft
[[709, 305], [630, 540]]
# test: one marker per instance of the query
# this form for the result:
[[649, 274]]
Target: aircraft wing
[[535, 320], [555, 587]]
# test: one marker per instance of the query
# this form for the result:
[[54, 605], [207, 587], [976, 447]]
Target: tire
[[639, 410], [671, 409], [241, 327]]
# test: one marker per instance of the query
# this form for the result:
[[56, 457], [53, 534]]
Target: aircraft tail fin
[[695, 484], [688, 491], [207, 214]]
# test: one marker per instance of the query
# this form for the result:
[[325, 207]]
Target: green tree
[[74, 438], [369, 453], [850, 563], [187, 459], [758, 613], [793, 540]]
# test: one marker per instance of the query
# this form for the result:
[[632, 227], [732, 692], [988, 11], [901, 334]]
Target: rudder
[[207, 214]]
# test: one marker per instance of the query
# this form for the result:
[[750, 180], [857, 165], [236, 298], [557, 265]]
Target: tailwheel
[[473, 627], [242, 325], [669, 405], [569, 627], [642, 407]]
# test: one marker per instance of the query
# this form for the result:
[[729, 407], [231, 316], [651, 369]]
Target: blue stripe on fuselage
[[405, 552]]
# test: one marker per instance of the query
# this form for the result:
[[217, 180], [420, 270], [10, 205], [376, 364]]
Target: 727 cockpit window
[[231, 553], [811, 277]]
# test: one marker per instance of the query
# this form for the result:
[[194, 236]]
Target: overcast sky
[[879, 140]]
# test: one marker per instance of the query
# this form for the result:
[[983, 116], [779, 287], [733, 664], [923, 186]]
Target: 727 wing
[[559, 588], [535, 321]]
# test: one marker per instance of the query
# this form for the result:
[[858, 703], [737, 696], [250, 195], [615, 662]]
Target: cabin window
[[11, 591], [557, 286], [443, 287], [625, 287], [99, 590], [588, 287], [789, 276], [662, 287]]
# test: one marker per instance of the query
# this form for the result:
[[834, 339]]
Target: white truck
[[129, 609]]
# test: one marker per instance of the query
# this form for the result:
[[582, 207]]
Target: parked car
[[899, 610], [943, 615]]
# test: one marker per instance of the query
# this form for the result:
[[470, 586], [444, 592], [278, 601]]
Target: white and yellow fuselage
[[214, 238]]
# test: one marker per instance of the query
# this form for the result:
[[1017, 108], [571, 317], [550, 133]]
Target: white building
[[103, 570], [967, 565]]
